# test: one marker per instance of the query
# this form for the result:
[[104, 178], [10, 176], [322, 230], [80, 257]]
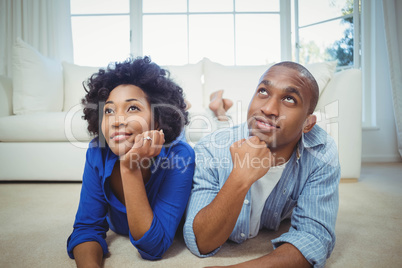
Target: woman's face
[[126, 114]]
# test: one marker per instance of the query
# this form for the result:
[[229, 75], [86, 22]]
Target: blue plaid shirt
[[307, 191]]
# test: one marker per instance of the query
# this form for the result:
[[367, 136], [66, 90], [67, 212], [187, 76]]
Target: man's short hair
[[305, 73]]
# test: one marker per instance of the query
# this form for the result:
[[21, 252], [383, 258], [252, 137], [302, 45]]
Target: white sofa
[[42, 135]]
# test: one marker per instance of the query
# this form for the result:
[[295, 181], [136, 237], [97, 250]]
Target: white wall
[[380, 144]]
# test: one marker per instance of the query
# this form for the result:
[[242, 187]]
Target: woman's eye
[[290, 100], [108, 111], [133, 108], [262, 91]]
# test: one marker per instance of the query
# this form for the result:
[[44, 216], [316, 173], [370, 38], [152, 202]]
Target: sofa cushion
[[37, 81], [341, 107], [322, 72], [6, 96], [239, 82], [189, 77], [48, 127], [74, 76]]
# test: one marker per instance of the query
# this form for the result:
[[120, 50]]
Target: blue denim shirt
[[167, 190], [307, 191]]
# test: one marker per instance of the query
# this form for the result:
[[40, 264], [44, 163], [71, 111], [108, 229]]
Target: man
[[278, 164]]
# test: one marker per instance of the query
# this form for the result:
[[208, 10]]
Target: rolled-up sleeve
[[205, 188], [90, 221], [313, 220], [169, 205]]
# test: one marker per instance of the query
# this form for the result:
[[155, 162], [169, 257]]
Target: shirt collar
[[315, 137]]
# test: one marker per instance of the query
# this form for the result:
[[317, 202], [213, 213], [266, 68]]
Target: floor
[[36, 219]]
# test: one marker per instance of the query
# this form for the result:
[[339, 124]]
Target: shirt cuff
[[190, 240], [75, 240], [311, 248], [153, 243]]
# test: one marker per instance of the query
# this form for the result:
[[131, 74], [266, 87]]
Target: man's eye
[[108, 111], [133, 108], [262, 91], [290, 99]]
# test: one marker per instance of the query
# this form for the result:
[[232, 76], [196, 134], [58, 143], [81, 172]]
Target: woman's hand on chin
[[146, 146]]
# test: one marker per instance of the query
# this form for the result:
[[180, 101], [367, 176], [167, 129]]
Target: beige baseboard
[[349, 180]]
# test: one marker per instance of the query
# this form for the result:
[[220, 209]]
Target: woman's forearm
[[139, 212], [88, 254]]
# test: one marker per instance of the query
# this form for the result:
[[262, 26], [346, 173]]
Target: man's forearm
[[286, 256], [214, 223]]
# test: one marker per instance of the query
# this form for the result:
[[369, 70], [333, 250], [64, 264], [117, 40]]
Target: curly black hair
[[164, 95]]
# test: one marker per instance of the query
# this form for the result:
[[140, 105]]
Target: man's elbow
[[206, 249], [205, 244]]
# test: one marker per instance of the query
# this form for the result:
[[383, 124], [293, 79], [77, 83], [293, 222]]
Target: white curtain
[[44, 24], [393, 33]]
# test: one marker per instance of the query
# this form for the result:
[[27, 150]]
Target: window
[[327, 35], [333, 33], [231, 32], [101, 31]]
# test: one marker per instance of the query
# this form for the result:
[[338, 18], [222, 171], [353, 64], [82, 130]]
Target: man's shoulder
[[320, 145], [318, 137]]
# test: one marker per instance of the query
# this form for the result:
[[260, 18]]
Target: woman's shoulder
[[97, 151], [181, 148], [94, 147], [179, 156]]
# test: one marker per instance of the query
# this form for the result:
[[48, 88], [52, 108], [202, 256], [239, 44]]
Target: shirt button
[[246, 202], [242, 235], [284, 191], [276, 214]]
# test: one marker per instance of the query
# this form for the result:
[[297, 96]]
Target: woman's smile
[[120, 136]]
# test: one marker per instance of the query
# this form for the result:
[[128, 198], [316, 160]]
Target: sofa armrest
[[6, 96], [340, 105]]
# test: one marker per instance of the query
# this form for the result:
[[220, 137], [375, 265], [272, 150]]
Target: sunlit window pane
[[311, 11], [256, 44], [175, 38], [210, 5], [211, 36], [99, 40], [317, 42], [164, 6], [99, 6], [257, 5], [165, 38]]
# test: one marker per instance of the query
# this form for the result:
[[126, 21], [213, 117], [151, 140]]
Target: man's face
[[279, 108]]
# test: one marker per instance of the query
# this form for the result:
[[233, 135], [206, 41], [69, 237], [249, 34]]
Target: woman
[[138, 175]]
